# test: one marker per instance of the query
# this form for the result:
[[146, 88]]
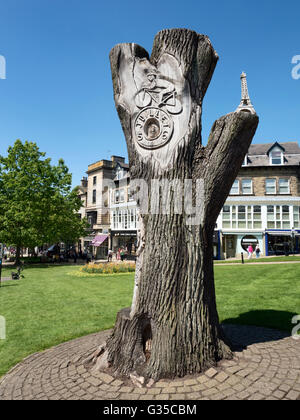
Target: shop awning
[[282, 233], [99, 239]]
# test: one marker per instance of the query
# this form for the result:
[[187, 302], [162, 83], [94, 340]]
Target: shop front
[[126, 240], [100, 247], [282, 242], [236, 243]]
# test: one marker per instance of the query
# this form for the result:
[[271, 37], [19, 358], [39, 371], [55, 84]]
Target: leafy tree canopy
[[37, 202]]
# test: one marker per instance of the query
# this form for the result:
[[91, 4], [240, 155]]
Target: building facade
[[264, 203], [263, 206], [123, 214], [95, 195]]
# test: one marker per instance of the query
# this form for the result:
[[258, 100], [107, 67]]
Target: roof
[[123, 165], [258, 154], [291, 147]]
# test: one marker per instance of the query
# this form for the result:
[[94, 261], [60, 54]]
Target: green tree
[[37, 202]]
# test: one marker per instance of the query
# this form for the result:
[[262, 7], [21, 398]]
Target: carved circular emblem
[[153, 128]]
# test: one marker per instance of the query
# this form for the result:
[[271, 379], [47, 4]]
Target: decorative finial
[[245, 104]]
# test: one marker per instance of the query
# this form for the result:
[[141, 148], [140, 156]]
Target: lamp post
[[293, 240]]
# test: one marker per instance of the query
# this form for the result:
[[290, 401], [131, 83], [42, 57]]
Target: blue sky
[[58, 89]]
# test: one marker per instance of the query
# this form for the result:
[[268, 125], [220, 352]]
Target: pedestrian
[[122, 254], [250, 252], [109, 255], [257, 251]]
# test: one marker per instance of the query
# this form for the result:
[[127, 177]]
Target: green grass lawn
[[280, 258], [51, 304]]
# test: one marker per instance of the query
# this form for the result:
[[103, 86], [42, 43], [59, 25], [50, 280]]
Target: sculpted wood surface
[[172, 328]]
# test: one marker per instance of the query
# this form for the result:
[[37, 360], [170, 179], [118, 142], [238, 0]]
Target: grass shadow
[[8, 285], [258, 326]]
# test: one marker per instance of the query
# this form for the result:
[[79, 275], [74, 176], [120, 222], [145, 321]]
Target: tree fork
[[172, 328]]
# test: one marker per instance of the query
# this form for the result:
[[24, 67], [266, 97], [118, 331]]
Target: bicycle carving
[[158, 95], [157, 101]]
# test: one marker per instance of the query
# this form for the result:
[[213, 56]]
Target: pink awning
[[99, 239]]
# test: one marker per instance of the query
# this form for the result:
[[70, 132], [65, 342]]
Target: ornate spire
[[245, 105]]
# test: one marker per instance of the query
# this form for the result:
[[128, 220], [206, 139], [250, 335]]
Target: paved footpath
[[268, 368]]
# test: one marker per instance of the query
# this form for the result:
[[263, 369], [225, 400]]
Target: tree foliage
[[37, 202]]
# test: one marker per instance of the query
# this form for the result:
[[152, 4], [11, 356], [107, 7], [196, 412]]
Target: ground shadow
[[45, 265], [257, 326], [8, 285]]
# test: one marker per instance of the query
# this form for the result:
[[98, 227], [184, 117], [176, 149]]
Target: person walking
[[257, 251], [109, 256], [250, 252]]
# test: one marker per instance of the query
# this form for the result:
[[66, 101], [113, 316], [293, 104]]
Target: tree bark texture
[[172, 328]]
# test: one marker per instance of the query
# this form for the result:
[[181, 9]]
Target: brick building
[[95, 195], [264, 203]]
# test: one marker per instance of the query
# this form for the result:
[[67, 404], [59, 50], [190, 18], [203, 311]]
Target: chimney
[[118, 159], [84, 181]]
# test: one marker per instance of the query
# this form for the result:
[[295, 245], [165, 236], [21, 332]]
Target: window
[[235, 188], [94, 196], [247, 186], [270, 186], [117, 196], [119, 173], [296, 216], [242, 217], [94, 180], [226, 217], [284, 186], [122, 195], [276, 157], [115, 220], [92, 218], [278, 217]]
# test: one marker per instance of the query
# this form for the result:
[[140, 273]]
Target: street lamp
[[293, 240]]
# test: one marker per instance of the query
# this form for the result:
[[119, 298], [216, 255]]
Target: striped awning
[[99, 239]]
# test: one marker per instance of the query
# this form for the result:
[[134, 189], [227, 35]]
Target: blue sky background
[[58, 90]]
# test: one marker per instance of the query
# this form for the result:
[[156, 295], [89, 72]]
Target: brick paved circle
[[267, 368]]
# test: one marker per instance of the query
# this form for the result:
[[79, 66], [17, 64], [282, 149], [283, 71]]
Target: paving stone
[[152, 391], [189, 382], [221, 377], [211, 372], [105, 378], [267, 370], [293, 395]]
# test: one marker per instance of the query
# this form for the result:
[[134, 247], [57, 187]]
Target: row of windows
[[245, 186], [242, 217], [118, 196], [120, 173], [124, 219], [250, 217]]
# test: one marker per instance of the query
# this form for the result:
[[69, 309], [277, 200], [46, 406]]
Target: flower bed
[[108, 268]]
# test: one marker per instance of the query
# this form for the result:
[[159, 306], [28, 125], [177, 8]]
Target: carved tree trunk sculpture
[[172, 328]]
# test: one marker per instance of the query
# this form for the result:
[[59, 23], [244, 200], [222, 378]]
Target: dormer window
[[276, 154], [276, 158]]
